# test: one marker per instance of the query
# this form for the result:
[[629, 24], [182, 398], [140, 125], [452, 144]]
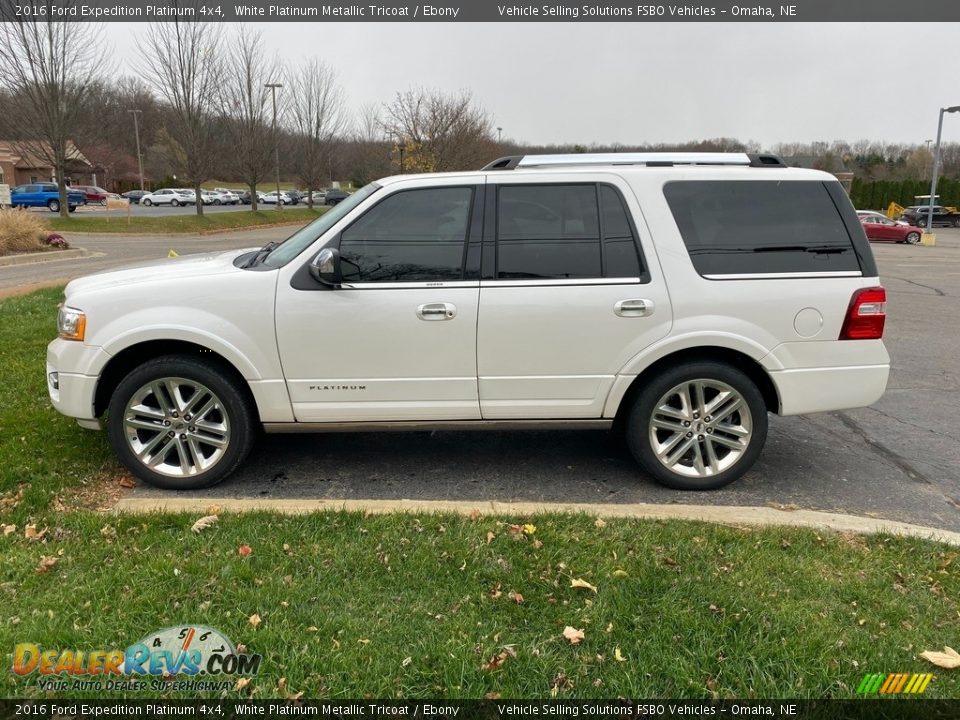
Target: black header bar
[[483, 11]]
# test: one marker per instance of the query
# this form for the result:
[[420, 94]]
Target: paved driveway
[[899, 459]]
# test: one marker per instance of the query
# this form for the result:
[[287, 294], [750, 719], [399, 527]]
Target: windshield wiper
[[817, 249], [262, 254]]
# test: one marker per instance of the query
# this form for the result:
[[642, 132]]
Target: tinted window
[[414, 235], [564, 231], [619, 245], [760, 227]]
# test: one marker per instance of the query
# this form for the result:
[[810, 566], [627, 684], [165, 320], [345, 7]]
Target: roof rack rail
[[651, 159]]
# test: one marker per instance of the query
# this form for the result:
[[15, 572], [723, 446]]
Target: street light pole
[[136, 132], [276, 140], [936, 164]]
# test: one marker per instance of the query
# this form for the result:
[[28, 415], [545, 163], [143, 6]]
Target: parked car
[[270, 198], [879, 227], [319, 197], [745, 288], [917, 215], [334, 196], [135, 196], [169, 196], [227, 197], [45, 194], [94, 194]]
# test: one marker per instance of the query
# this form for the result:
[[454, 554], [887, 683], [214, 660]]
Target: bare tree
[[317, 117], [440, 132], [183, 61], [246, 103], [46, 68]]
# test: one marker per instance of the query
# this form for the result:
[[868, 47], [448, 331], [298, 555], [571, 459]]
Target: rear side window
[[563, 232], [751, 227]]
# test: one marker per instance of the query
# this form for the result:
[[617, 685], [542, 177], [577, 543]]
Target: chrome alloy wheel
[[176, 427], [700, 428]]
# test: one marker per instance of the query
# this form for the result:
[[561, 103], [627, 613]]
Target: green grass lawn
[[183, 223], [448, 606]]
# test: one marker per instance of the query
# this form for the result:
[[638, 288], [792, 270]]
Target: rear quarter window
[[763, 226]]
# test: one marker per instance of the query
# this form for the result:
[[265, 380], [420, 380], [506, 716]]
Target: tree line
[[206, 111]]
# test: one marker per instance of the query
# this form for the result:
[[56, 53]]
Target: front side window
[[564, 232], [410, 236]]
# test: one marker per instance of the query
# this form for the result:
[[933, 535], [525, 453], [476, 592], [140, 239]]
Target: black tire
[[912, 238], [72, 208], [233, 404], [53, 205], [956, 222], [641, 414], [175, 203], [148, 202]]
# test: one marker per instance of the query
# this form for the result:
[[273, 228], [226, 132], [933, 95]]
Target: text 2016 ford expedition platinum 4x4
[[686, 295]]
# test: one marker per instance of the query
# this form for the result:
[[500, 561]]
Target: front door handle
[[636, 307], [437, 311]]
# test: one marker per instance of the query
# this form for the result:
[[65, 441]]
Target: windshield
[[305, 236]]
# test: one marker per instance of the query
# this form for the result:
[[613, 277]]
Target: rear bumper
[[812, 390]]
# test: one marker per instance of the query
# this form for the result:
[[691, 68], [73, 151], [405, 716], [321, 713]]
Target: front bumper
[[73, 370]]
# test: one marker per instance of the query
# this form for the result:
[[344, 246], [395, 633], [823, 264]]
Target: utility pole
[[136, 131], [936, 165], [276, 140]]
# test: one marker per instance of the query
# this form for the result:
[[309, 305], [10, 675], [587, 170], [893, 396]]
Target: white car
[[169, 196], [682, 296], [270, 198], [227, 197], [217, 197]]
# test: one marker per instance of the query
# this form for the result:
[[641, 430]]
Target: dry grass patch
[[21, 232]]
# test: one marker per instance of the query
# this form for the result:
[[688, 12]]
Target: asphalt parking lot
[[899, 459], [163, 210]]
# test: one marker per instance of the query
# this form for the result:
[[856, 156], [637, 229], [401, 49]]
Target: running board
[[395, 425]]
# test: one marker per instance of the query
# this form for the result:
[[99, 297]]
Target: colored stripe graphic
[[894, 683]]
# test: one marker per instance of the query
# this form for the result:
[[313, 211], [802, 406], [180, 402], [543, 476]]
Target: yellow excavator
[[895, 210]]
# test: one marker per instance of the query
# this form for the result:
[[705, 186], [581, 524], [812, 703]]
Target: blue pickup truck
[[44, 194]]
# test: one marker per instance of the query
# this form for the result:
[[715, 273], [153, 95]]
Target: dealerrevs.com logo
[[186, 658]]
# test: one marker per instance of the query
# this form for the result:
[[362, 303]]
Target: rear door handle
[[437, 311], [636, 307]]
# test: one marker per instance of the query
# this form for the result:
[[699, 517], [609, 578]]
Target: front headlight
[[71, 323]]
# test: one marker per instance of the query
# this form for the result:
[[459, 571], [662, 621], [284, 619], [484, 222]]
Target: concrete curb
[[722, 514], [46, 256]]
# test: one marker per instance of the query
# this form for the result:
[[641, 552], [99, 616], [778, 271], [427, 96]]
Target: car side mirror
[[325, 267]]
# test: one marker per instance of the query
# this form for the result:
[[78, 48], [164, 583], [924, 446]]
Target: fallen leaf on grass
[[496, 592], [203, 523], [617, 655], [127, 482], [948, 659], [241, 684], [255, 620], [46, 563], [573, 635], [619, 573], [406, 661], [499, 659], [671, 562], [600, 523], [30, 533], [537, 544], [516, 597], [490, 537], [578, 583], [244, 550], [9, 529]]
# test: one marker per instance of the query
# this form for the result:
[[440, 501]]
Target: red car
[[93, 194], [879, 227]]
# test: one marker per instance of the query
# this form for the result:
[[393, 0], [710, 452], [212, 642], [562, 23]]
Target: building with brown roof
[[23, 162]]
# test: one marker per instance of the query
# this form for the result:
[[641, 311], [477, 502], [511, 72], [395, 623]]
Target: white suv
[[682, 296]]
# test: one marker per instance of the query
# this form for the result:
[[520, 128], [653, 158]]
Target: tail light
[[866, 315]]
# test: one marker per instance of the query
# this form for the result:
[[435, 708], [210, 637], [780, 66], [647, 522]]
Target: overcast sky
[[659, 82]]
